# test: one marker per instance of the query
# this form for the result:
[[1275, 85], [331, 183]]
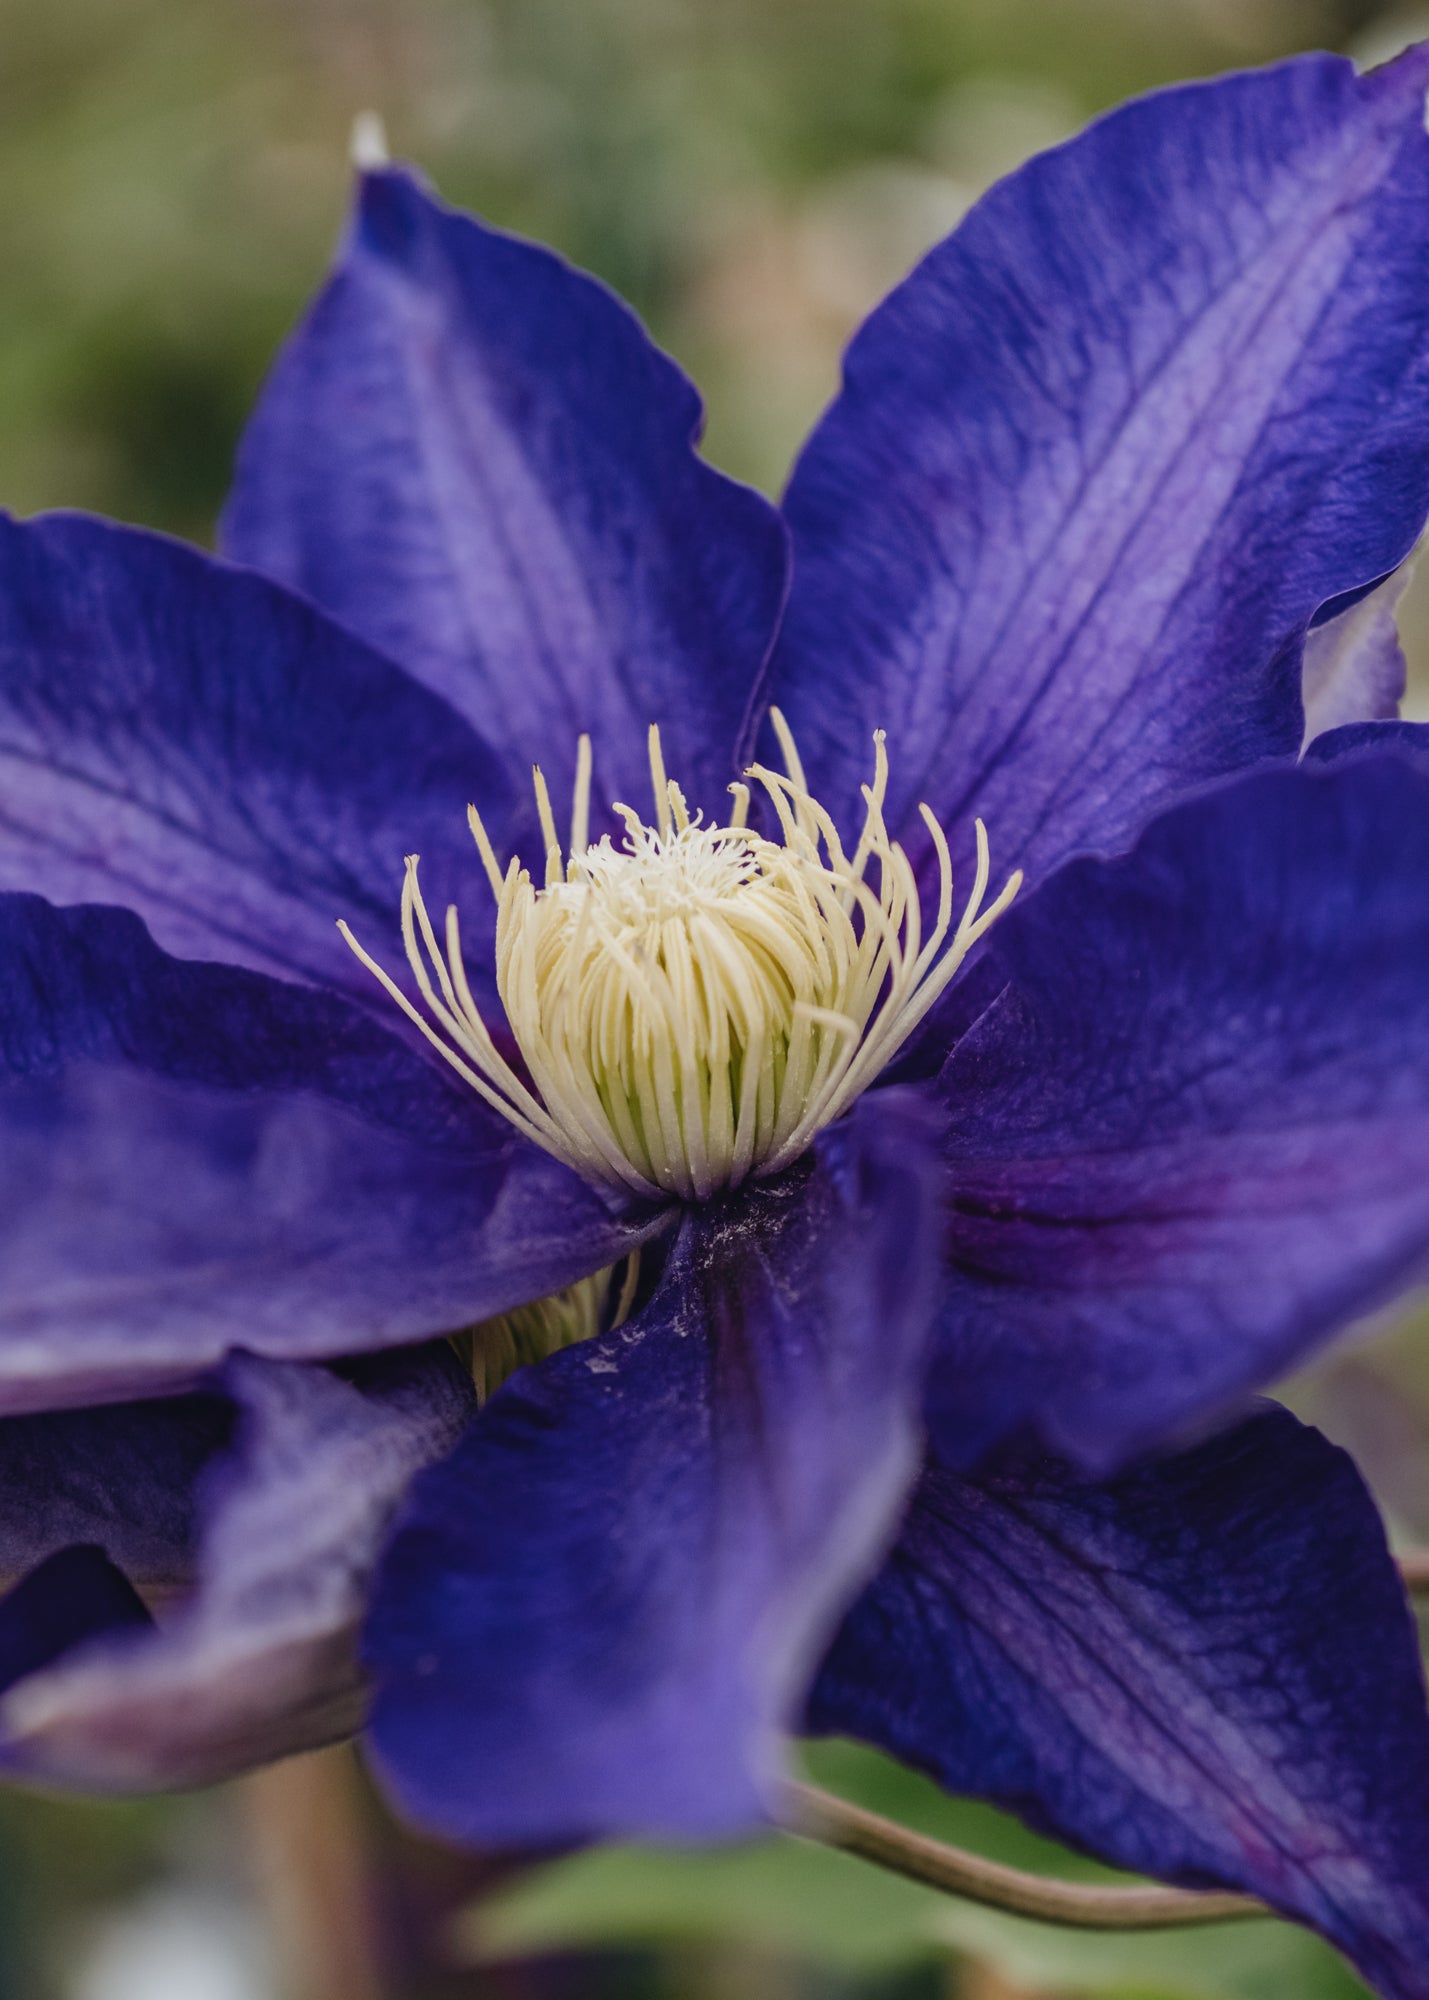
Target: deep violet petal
[[186, 740], [1205, 1670], [1097, 462], [121, 1477], [73, 1596], [1409, 739], [260, 1660], [1190, 1140], [473, 456], [598, 1617], [194, 1157]]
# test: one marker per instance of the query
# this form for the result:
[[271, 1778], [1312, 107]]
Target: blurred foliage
[[752, 174], [60, 1863]]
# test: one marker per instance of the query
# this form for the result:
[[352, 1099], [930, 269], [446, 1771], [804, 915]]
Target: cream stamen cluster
[[694, 1005], [495, 1348]]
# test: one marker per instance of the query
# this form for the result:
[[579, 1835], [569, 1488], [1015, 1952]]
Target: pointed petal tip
[[1408, 70]]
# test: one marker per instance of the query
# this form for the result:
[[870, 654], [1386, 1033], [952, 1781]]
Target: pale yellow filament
[[495, 1348], [693, 1006]]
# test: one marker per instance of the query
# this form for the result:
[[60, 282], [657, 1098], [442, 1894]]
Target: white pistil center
[[694, 1005]]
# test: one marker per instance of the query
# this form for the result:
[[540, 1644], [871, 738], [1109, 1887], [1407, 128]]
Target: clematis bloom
[[692, 1286]]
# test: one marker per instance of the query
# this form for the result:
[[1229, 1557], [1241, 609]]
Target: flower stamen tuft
[[694, 1005], [495, 1348]]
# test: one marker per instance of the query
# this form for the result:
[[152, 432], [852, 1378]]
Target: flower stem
[[313, 1873], [1414, 1568], [818, 1815]]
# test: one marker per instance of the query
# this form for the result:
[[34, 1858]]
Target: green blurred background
[[752, 174]]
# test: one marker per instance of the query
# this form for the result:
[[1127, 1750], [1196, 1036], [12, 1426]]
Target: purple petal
[[1354, 667], [1191, 1137], [1205, 1671], [73, 1596], [1098, 461], [190, 742], [261, 1660], [1407, 739], [599, 1616], [194, 1157], [121, 1478], [472, 455]]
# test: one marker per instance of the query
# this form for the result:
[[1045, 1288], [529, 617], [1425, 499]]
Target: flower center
[[694, 1005], [495, 1348]]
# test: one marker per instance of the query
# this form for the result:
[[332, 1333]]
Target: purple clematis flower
[[892, 1269]]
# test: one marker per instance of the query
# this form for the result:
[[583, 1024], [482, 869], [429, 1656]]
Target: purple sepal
[[121, 1477], [1191, 1137], [1205, 1670], [599, 1616], [1097, 462], [1410, 739], [473, 455], [186, 740], [194, 1158], [71, 1598], [261, 1659]]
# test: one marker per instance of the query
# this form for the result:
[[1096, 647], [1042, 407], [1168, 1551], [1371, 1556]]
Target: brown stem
[[1414, 1568], [818, 1815], [305, 1830]]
